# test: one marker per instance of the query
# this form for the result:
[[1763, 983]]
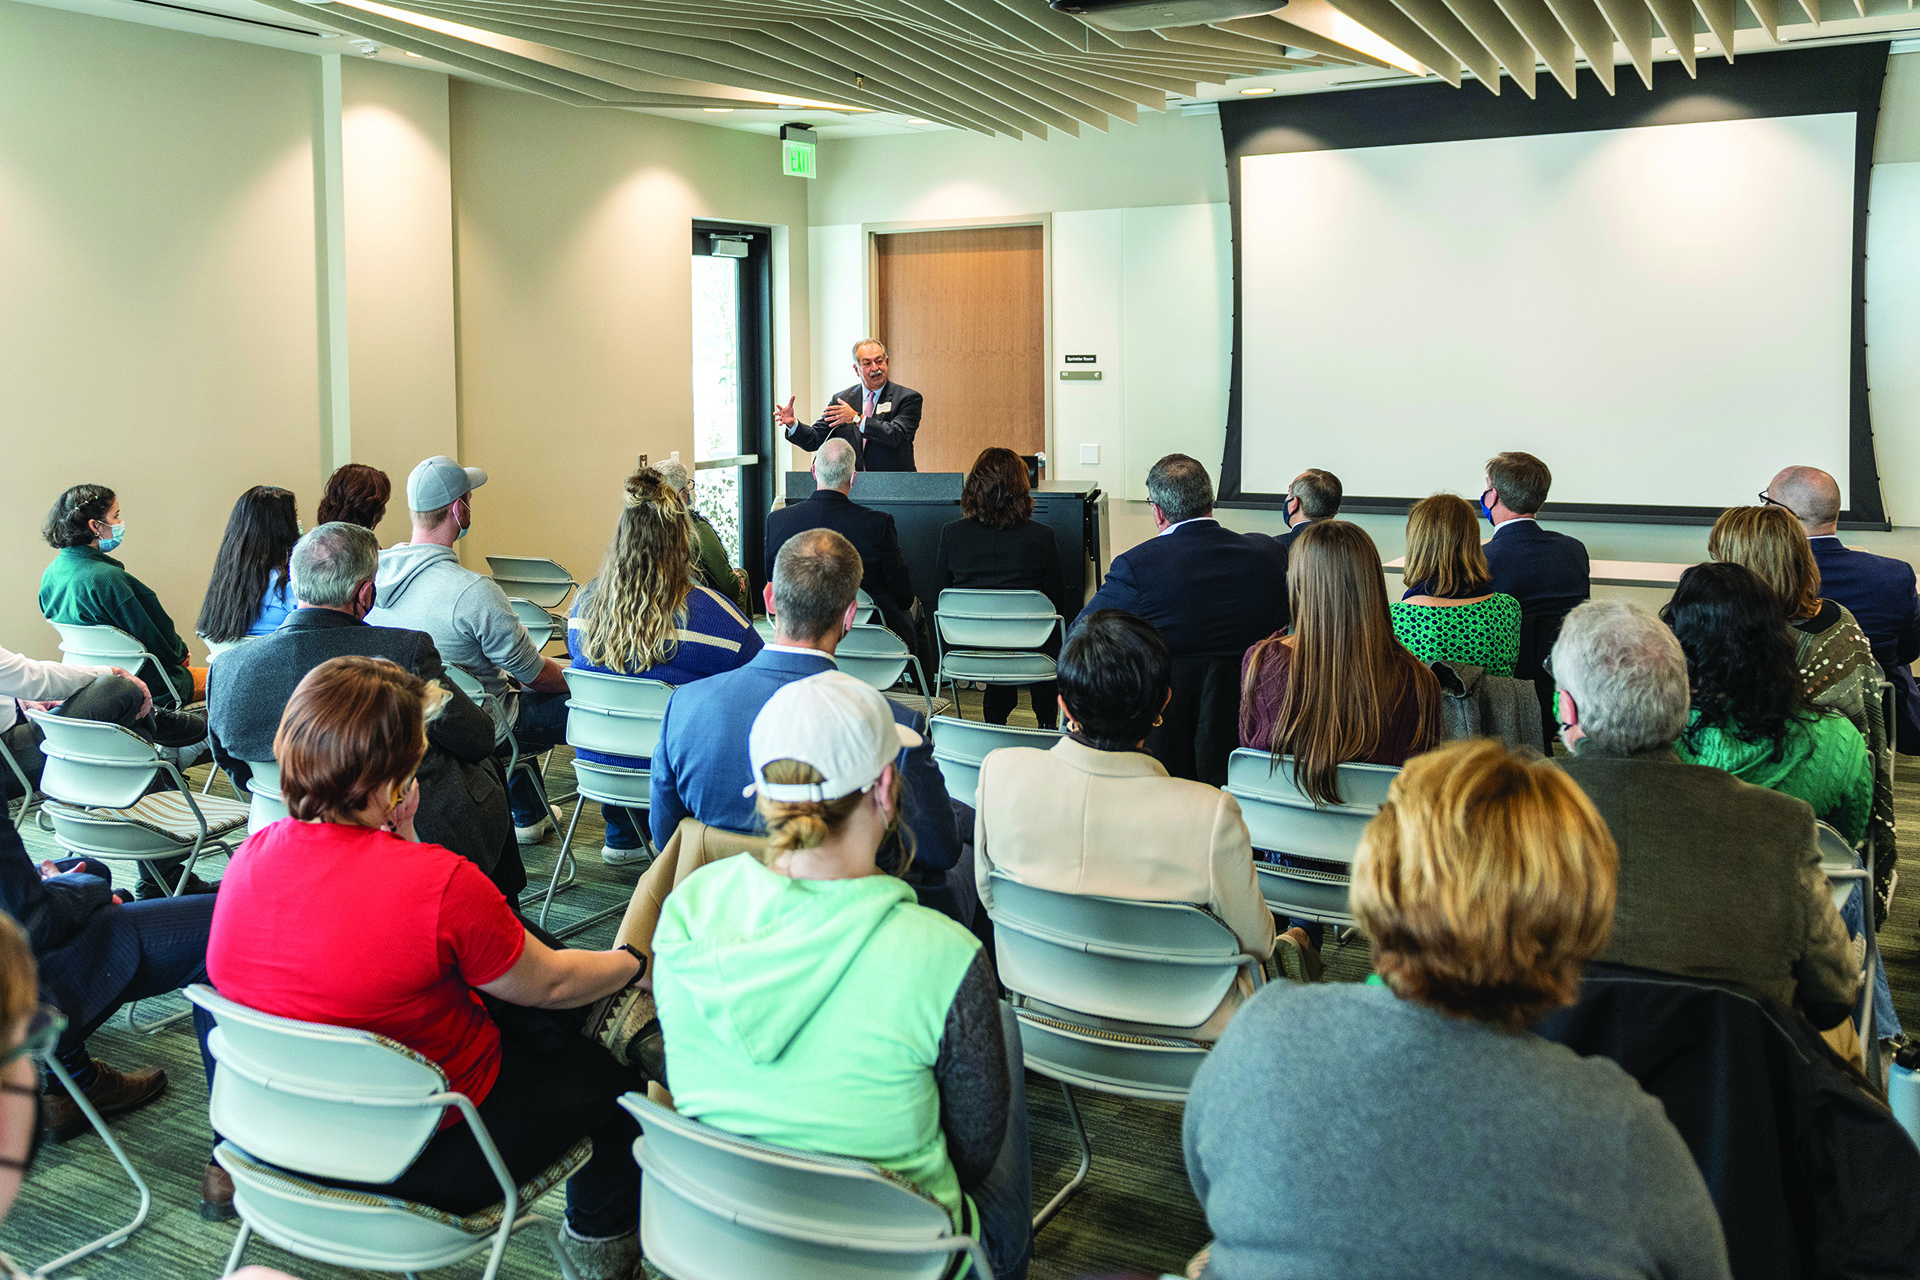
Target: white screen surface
[[1663, 314]]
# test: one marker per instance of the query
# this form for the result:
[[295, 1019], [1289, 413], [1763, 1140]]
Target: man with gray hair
[[884, 574], [880, 430], [1719, 879], [463, 798], [710, 566]]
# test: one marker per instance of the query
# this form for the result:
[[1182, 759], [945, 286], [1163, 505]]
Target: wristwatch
[[637, 954]]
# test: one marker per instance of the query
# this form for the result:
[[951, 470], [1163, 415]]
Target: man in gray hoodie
[[422, 586]]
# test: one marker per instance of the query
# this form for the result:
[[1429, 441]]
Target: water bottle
[[1903, 1088]]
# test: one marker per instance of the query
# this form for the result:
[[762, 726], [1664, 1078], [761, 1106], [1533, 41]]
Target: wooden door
[[963, 317]]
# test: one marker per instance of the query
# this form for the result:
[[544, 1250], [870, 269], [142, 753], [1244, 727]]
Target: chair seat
[[268, 1197], [164, 814], [613, 784], [1158, 1068], [990, 667]]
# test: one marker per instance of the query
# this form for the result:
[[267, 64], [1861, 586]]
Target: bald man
[[1879, 591]]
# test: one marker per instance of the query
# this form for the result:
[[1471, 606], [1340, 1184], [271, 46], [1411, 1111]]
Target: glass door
[[732, 431]]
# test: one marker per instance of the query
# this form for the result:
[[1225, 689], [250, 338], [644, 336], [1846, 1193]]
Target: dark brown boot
[[111, 1093], [216, 1195]]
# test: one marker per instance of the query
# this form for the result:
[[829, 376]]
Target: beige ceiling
[[1018, 67]]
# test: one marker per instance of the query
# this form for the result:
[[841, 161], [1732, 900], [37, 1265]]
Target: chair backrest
[[330, 1102], [619, 715], [534, 578], [1167, 964], [466, 682], [1282, 819], [266, 806], [537, 621], [98, 645], [217, 647], [971, 618], [959, 746], [867, 608], [871, 653], [716, 1206], [93, 764]]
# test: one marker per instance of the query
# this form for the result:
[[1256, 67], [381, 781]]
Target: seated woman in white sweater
[[1096, 814], [111, 694]]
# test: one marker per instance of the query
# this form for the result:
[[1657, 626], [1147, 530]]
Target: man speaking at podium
[[875, 416]]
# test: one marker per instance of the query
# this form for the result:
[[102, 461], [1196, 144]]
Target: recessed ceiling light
[[917, 120], [718, 111], [1257, 90], [411, 54]]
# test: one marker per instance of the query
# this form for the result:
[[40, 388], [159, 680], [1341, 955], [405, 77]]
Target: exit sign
[[799, 153]]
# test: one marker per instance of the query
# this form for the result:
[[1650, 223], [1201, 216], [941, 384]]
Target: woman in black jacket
[[998, 546]]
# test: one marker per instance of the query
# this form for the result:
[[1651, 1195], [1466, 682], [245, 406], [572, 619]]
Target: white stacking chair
[[874, 655], [618, 716], [959, 746], [265, 806], [1076, 963], [716, 1206], [28, 794], [217, 647], [296, 1101], [517, 761], [1849, 872], [865, 609], [541, 581], [1283, 819], [541, 625], [993, 637], [101, 646]]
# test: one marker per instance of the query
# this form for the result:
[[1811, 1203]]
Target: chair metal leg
[[239, 1247], [1065, 1193], [560, 860], [26, 788], [560, 1255], [116, 1236], [159, 1025]]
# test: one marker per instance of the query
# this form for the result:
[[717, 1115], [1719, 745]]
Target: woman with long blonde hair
[[645, 616], [1341, 688]]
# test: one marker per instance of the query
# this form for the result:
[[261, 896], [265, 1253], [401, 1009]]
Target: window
[[732, 413]]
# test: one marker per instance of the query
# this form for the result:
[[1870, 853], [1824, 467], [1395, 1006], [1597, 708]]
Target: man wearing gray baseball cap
[[424, 587]]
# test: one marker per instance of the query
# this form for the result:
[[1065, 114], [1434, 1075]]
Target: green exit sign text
[[799, 153]]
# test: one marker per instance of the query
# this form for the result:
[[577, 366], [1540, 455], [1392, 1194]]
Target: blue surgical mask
[[114, 539], [1481, 502]]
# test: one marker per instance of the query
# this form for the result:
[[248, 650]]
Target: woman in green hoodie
[[810, 1002], [1751, 713]]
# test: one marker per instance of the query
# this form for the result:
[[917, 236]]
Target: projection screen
[[1664, 311]]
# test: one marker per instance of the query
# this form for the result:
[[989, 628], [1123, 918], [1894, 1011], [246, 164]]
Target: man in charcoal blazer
[[884, 573], [463, 799], [877, 416]]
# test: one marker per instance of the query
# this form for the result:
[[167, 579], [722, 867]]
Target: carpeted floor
[[1136, 1212]]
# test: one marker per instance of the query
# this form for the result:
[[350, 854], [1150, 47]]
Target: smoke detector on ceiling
[[1146, 15]]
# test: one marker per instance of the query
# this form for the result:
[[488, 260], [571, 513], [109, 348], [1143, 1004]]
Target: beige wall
[[575, 302], [156, 291]]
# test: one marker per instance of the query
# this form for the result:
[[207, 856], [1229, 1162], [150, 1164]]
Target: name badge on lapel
[[885, 408]]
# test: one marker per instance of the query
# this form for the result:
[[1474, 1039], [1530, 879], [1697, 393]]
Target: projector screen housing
[[1421, 246]]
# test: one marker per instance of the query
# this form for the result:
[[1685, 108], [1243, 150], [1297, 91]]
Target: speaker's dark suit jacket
[[1879, 592], [463, 804], [887, 442], [873, 534]]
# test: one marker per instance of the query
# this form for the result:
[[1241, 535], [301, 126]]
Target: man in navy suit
[[1877, 590], [1546, 572], [700, 768], [876, 415], [1212, 594], [884, 574]]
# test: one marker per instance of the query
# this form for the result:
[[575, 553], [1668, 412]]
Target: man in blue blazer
[[1878, 591], [700, 768], [1547, 572]]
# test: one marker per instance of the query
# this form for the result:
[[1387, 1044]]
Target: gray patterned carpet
[[1136, 1212]]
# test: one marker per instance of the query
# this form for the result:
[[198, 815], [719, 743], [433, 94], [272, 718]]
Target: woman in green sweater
[[1449, 612], [85, 586], [1751, 712]]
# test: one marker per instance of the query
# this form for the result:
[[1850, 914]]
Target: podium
[[923, 502]]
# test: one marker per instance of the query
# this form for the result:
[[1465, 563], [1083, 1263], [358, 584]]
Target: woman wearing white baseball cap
[[809, 1001]]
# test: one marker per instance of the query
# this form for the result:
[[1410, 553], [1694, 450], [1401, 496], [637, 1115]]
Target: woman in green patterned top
[[1752, 715], [1447, 614]]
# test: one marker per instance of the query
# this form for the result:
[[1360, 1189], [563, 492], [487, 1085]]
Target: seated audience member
[[1339, 689], [997, 545], [1878, 591], [111, 694], [85, 586], [451, 952], [710, 566], [1210, 593], [1450, 612], [356, 494], [1095, 814], [808, 1001], [97, 954], [644, 616], [1719, 879], [1546, 571], [700, 767], [250, 593], [1313, 495], [883, 574], [1835, 661], [424, 587], [1751, 715], [1469, 1145], [463, 803]]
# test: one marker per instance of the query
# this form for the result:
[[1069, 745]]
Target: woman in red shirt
[[338, 915]]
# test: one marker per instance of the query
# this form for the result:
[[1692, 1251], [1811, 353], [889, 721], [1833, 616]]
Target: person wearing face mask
[[85, 586], [1546, 571], [1313, 495], [463, 799], [424, 587], [876, 415]]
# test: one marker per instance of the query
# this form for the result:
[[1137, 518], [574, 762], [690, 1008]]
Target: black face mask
[[39, 1131]]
